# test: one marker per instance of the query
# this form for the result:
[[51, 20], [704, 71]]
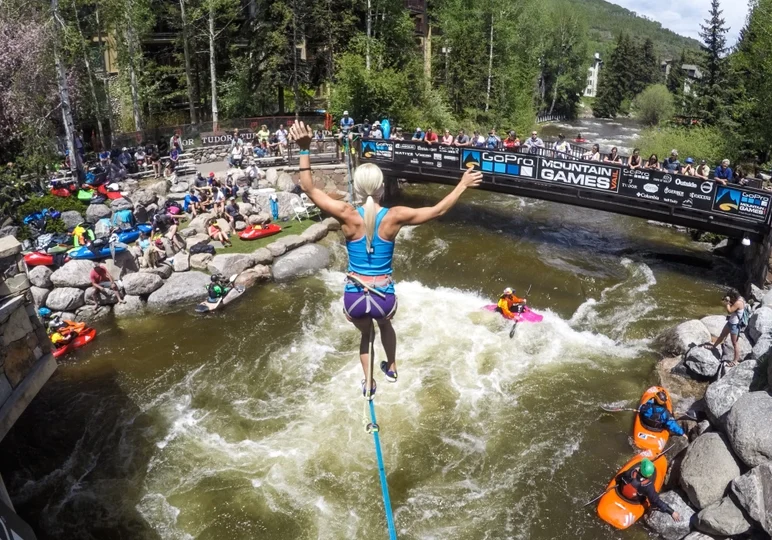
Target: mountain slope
[[608, 20]]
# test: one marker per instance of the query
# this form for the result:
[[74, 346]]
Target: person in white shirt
[[534, 143], [281, 136], [237, 155], [376, 132], [561, 146], [141, 158]]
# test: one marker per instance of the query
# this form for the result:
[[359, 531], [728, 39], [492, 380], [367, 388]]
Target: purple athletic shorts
[[357, 305]]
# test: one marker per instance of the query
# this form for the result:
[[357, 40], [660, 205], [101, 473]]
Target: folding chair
[[300, 209], [311, 208]]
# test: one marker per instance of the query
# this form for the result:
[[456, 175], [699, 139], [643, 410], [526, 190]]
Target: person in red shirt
[[431, 137], [103, 283], [512, 142]]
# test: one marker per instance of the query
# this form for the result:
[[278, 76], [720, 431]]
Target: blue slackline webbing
[[382, 474]]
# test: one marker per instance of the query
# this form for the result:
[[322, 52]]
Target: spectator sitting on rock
[[192, 203], [703, 171], [233, 213], [167, 225], [671, 164], [103, 283], [216, 233], [724, 174]]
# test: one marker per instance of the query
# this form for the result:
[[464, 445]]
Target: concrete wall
[[26, 362]]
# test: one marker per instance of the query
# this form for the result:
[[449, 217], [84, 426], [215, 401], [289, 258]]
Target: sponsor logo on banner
[[576, 173], [378, 150], [741, 202], [637, 174], [651, 188], [666, 179], [499, 163], [706, 187], [212, 138]]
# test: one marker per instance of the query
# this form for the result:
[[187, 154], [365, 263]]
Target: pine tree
[[675, 78], [614, 84], [713, 89], [648, 65]]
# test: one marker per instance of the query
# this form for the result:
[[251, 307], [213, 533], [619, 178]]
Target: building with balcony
[[593, 73]]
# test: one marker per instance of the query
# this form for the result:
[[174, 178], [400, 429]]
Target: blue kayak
[[131, 235], [85, 253]]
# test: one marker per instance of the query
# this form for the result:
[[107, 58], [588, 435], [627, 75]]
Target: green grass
[[287, 228]]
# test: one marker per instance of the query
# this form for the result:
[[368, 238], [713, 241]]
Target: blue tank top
[[376, 263]]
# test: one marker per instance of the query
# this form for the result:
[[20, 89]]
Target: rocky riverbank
[[721, 481]]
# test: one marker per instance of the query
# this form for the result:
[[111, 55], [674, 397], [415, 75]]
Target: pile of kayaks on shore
[[67, 252], [613, 507]]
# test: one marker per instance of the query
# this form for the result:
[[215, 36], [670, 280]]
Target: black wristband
[[304, 169]]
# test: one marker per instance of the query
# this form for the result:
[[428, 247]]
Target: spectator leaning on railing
[[493, 141], [671, 164], [703, 170], [462, 139], [534, 143], [634, 162], [561, 145], [724, 174], [512, 142]]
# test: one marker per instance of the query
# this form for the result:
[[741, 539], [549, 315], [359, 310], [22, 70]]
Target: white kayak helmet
[[508, 291]]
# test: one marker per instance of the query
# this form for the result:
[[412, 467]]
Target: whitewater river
[[248, 424]]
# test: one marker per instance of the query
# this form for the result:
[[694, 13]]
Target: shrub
[[654, 105], [698, 142]]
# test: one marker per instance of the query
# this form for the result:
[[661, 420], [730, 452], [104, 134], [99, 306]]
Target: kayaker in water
[[510, 305], [370, 232], [216, 289], [638, 483], [654, 414]]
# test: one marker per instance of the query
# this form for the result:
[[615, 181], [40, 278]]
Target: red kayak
[[61, 192], [86, 336], [112, 195], [580, 140], [257, 231], [37, 258]]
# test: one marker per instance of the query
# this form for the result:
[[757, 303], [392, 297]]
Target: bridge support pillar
[[758, 263], [391, 188]]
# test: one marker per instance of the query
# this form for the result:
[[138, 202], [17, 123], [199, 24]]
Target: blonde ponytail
[[368, 185]]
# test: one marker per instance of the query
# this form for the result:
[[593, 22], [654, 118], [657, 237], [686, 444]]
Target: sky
[[685, 16]]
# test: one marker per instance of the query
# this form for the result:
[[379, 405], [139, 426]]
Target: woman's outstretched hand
[[301, 134], [471, 178]]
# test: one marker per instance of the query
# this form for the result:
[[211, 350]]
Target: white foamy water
[[300, 450]]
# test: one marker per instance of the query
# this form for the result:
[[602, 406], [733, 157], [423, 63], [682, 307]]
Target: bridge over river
[[733, 210]]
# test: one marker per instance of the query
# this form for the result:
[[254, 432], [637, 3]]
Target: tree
[[648, 71], [614, 84], [64, 95], [654, 105], [675, 77], [565, 56], [188, 68], [713, 88]]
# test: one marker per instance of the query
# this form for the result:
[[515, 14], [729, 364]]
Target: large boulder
[[95, 212], [39, 296], [40, 276], [71, 219], [198, 238], [315, 232], [182, 261], [93, 296], [163, 270], [727, 348], [116, 205], [74, 273], [180, 289], [332, 224], [702, 362], [199, 222], [142, 283], [300, 262], [240, 226], [245, 209], [760, 323], [259, 219], [722, 518], [200, 261], [697, 535], [762, 349], [276, 249], [249, 277], [160, 188], [664, 525], [65, 299], [141, 214], [227, 265], [145, 197], [271, 176], [287, 201], [753, 493], [291, 241], [766, 301], [187, 233], [681, 338], [285, 182], [262, 256], [133, 306], [707, 469], [714, 324], [722, 394], [92, 314], [748, 428]]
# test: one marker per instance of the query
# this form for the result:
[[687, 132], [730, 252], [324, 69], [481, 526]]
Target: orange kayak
[[647, 438], [617, 510], [85, 336]]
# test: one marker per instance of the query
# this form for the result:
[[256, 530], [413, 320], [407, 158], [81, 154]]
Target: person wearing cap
[[671, 164], [431, 137], [688, 168], [125, 159], [418, 135], [510, 305], [724, 174], [638, 483], [493, 141], [376, 132], [346, 123], [702, 170], [534, 143]]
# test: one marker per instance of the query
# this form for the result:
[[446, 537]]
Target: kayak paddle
[[514, 326], [685, 415]]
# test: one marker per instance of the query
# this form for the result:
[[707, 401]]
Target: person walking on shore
[[371, 231]]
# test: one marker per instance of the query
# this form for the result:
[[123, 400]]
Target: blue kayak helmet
[[44, 312]]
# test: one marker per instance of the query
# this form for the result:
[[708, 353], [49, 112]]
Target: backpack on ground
[[202, 247]]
